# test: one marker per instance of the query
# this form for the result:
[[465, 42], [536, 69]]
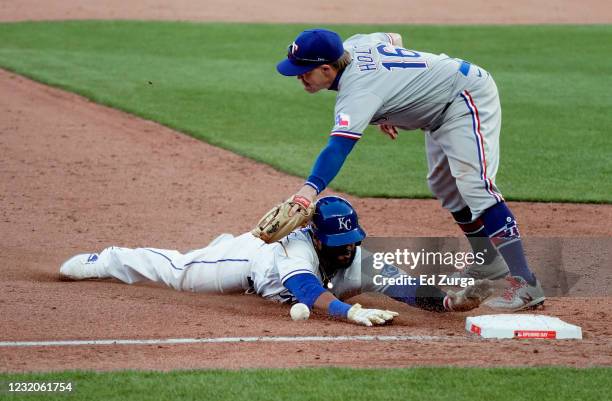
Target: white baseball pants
[[222, 267]]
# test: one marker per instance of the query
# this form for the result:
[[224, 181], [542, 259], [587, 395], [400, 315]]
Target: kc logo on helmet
[[344, 224]]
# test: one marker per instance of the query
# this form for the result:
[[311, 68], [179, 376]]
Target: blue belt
[[464, 68]]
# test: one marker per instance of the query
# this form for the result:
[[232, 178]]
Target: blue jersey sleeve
[[426, 297], [329, 162], [305, 287]]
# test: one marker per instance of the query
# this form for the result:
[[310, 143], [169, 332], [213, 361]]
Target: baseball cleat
[[518, 296], [493, 271], [80, 267]]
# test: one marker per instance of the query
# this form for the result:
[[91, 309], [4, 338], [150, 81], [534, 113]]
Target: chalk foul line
[[218, 340]]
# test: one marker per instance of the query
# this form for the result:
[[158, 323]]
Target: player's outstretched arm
[[309, 291], [426, 297], [328, 303], [432, 298]]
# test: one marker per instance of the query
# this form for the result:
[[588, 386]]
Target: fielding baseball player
[[454, 102], [299, 268]]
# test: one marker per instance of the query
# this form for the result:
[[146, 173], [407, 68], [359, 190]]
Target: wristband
[[338, 308], [313, 186]]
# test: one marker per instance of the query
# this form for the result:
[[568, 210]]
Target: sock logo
[[511, 230], [507, 234]]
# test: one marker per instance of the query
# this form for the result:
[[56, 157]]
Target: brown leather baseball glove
[[281, 220], [469, 298]]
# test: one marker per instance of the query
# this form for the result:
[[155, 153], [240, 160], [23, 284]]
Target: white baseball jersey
[[230, 264], [454, 102], [295, 254]]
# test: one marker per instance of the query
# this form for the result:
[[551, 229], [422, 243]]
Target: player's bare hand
[[469, 298], [389, 130], [307, 192], [369, 317]]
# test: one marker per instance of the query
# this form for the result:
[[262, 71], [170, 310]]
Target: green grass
[[218, 82], [453, 384]]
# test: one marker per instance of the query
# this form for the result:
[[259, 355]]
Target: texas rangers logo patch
[[343, 120]]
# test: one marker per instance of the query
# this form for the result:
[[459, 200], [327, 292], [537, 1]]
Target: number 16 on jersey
[[396, 57]]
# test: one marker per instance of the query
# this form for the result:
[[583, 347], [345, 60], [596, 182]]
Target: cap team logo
[[293, 48], [344, 223], [343, 120]]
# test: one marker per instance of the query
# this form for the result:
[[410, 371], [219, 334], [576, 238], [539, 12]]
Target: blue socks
[[499, 222], [476, 234]]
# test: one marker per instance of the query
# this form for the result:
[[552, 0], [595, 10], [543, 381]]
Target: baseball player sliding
[[454, 102], [319, 266]]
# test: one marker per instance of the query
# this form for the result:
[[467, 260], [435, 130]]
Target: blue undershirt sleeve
[[305, 287], [329, 162], [426, 297]]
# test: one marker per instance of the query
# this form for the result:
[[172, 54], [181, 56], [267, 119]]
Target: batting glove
[[469, 298], [369, 317]]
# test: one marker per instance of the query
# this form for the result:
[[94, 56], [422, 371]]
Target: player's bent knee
[[478, 196]]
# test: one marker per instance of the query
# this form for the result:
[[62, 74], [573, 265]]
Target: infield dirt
[[76, 176]]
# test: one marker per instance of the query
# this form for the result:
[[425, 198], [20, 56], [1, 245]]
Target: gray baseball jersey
[[389, 85], [408, 89]]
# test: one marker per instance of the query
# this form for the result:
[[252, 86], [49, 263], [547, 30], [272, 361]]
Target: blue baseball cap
[[312, 48]]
